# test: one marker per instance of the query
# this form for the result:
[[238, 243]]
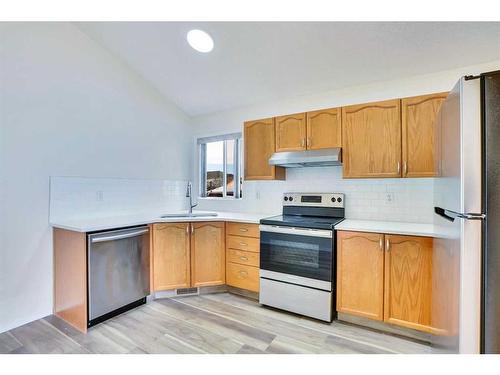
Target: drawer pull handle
[[243, 230], [243, 273], [243, 258], [243, 244]]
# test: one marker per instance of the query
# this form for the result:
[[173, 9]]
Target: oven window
[[292, 253], [298, 255]]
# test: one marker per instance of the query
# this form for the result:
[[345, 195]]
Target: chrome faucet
[[189, 194]]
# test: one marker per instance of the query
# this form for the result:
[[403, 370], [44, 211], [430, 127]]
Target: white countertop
[[389, 227], [110, 222]]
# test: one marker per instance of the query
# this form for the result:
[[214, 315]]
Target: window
[[220, 166]]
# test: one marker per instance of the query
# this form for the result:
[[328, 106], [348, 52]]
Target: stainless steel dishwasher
[[118, 272]]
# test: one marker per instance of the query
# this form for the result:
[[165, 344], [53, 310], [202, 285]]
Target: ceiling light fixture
[[200, 40]]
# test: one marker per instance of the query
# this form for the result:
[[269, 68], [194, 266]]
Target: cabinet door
[[371, 136], [324, 129], [259, 138], [360, 274], [408, 281], [171, 265], [208, 254], [291, 132], [420, 152]]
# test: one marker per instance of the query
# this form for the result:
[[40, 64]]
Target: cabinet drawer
[[243, 229], [244, 277], [243, 243], [243, 257]]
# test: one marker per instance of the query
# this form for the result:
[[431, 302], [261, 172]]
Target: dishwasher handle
[[119, 236]]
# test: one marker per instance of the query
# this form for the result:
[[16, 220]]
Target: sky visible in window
[[215, 154]]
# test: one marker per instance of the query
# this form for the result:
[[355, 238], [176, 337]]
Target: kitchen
[[151, 212]]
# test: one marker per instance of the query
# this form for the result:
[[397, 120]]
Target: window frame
[[202, 161]]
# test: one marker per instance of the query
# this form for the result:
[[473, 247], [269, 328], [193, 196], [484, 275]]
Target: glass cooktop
[[300, 221]]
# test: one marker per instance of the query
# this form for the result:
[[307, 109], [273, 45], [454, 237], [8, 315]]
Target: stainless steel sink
[[187, 215]]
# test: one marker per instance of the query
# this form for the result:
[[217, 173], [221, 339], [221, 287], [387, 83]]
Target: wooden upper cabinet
[[291, 132], [324, 129], [420, 151], [371, 137], [259, 138], [208, 261], [360, 274], [408, 281], [171, 256]]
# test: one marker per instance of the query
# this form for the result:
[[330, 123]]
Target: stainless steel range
[[297, 262]]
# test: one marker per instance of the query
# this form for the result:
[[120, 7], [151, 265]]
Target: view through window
[[220, 166]]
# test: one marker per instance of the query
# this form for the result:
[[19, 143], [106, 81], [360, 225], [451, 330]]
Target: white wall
[[383, 199], [68, 107]]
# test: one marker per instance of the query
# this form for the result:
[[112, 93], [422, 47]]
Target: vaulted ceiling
[[257, 61]]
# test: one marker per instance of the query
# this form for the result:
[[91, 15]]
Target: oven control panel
[[314, 199]]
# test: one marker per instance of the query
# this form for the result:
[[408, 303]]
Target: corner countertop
[[121, 221], [389, 227]]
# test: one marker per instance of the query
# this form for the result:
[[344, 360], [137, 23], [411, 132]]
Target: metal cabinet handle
[[399, 167], [244, 258], [381, 243], [243, 244], [192, 228], [387, 244], [187, 229], [309, 142], [405, 168], [303, 142], [243, 273], [243, 230]]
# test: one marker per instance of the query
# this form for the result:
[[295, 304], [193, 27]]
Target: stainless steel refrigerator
[[466, 258]]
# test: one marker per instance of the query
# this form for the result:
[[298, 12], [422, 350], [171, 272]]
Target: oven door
[[297, 251]]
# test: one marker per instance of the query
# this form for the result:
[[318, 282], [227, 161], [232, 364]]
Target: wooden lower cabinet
[[171, 256], [360, 274], [408, 281], [243, 255], [208, 262], [70, 277], [188, 255], [386, 277], [243, 277], [243, 229]]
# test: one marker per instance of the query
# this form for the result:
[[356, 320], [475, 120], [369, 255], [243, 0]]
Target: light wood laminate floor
[[210, 323]]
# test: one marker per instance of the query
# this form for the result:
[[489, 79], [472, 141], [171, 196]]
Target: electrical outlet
[[389, 198], [99, 195]]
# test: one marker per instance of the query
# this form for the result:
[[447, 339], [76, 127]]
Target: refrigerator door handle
[[472, 216], [452, 215]]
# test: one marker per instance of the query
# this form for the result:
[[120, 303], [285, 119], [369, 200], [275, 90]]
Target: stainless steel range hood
[[312, 158]]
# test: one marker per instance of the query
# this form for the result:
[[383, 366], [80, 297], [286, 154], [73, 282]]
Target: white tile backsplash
[[87, 197], [403, 199]]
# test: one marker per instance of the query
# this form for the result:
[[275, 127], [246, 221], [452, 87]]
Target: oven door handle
[[297, 231]]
